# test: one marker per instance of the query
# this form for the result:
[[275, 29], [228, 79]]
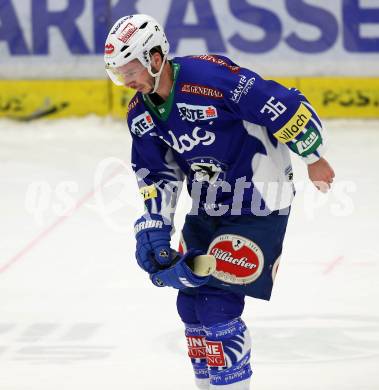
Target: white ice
[[77, 313]]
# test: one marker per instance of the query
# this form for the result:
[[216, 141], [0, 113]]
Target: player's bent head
[[135, 37]]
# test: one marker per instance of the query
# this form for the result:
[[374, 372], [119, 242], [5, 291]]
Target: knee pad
[[197, 352], [215, 306], [186, 306], [228, 354]]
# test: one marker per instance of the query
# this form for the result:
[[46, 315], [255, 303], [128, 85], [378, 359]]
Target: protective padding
[[228, 353]]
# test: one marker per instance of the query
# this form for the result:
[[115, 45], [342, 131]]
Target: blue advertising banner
[[65, 38]]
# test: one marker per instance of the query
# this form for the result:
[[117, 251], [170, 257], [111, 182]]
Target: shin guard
[[197, 352], [228, 355]]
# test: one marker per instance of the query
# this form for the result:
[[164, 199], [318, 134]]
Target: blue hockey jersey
[[228, 133]]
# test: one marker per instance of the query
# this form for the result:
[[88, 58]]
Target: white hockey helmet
[[132, 37]]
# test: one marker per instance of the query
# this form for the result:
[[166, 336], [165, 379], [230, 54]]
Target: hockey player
[[228, 133]]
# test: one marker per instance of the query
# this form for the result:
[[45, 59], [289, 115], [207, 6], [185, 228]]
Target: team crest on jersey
[[207, 169], [194, 113], [141, 124], [239, 260]]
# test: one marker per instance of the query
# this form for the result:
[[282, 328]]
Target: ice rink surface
[[77, 313]]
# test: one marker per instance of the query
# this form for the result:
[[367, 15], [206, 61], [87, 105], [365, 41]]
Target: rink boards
[[327, 49], [333, 97]]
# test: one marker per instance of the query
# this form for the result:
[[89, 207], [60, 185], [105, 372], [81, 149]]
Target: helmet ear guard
[[134, 37]]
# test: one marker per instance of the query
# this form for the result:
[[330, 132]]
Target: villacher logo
[[239, 260], [295, 125]]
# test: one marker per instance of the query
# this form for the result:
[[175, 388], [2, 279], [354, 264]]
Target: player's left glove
[[153, 243], [190, 270]]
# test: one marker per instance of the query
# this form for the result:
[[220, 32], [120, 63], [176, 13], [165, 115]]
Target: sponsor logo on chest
[[141, 124], [186, 142], [194, 113], [201, 90]]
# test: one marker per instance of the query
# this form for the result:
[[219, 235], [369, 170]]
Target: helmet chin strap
[[157, 76]]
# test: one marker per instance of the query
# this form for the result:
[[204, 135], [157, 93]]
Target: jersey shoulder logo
[[218, 61], [242, 88], [295, 125], [133, 103], [142, 124]]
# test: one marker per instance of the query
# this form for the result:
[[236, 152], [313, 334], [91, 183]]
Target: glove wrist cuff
[[149, 224], [151, 221]]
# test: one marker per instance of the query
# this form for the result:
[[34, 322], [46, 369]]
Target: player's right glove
[[153, 243], [189, 270]]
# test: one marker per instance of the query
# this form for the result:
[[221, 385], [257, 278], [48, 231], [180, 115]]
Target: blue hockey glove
[[153, 243], [179, 275]]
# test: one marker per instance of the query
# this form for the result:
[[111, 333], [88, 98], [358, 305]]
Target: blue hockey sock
[[228, 354], [197, 352]]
